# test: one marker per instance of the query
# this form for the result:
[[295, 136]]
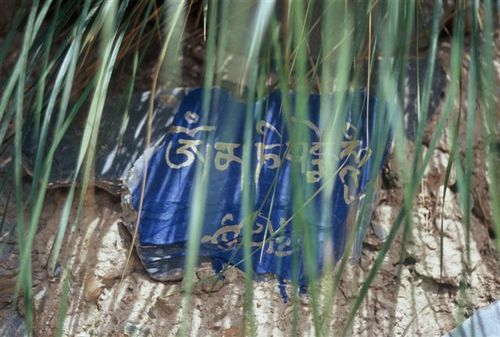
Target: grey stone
[[382, 220], [121, 140], [136, 330], [12, 324]]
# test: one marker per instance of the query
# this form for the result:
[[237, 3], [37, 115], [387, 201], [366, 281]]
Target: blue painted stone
[[212, 139]]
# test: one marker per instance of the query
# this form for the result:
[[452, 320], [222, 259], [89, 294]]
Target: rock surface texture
[[419, 295]]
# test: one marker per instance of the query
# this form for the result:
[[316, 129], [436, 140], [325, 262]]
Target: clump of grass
[[71, 49]]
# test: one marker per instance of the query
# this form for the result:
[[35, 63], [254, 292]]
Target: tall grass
[[70, 51]]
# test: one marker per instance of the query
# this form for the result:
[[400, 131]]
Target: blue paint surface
[[214, 138]]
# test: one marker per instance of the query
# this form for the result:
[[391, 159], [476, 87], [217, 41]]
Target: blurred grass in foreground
[[71, 50]]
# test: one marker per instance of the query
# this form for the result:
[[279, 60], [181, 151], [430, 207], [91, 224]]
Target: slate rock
[[121, 140]]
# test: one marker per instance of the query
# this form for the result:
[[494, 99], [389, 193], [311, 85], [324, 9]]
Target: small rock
[[208, 280], [445, 141], [83, 334], [451, 228], [435, 172], [93, 288], [39, 299], [382, 220], [450, 208], [12, 324], [430, 241], [424, 246], [428, 264], [112, 254], [421, 219], [167, 305], [136, 330]]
